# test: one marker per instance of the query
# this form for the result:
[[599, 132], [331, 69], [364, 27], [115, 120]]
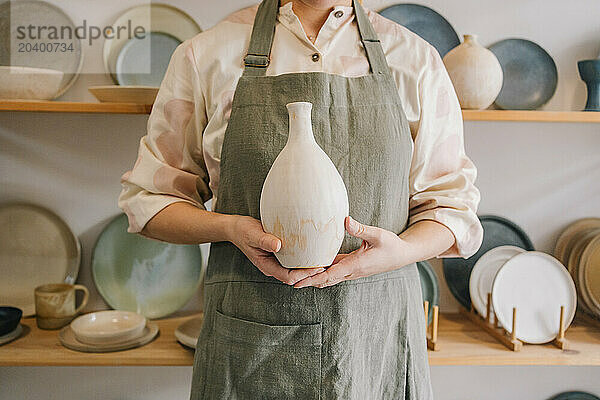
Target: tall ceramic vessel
[[589, 70], [304, 199], [475, 72]]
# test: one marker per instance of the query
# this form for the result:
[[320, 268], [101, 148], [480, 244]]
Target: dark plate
[[9, 319], [530, 74], [575, 396], [497, 231], [429, 286], [426, 23]]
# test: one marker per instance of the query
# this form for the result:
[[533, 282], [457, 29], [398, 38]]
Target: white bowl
[[105, 327], [25, 83]]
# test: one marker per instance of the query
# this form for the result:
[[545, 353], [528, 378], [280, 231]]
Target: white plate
[[160, 18], [188, 332], [483, 274], [537, 284]]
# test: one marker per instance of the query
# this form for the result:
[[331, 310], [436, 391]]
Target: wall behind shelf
[[540, 175]]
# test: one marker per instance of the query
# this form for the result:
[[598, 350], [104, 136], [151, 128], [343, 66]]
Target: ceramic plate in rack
[[430, 287], [38, 13], [581, 240], [537, 284], [150, 277], [125, 94], [530, 74], [565, 241], [575, 396], [188, 332], [162, 18], [68, 339], [426, 23], [589, 275], [484, 272], [36, 247], [497, 231]]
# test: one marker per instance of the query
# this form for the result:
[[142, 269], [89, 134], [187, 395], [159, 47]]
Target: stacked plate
[[106, 331], [578, 247], [534, 283]]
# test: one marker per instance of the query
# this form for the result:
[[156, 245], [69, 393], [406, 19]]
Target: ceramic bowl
[[25, 83], [104, 327], [9, 319]]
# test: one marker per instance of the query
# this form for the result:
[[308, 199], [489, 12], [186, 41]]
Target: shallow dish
[[589, 275], [10, 336], [105, 327], [125, 94], [9, 319], [188, 332], [36, 247], [67, 338], [484, 272], [537, 284], [24, 83]]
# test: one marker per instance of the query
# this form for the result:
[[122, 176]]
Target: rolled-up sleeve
[[442, 177], [170, 166]]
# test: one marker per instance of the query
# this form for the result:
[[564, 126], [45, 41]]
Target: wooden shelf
[[531, 116], [74, 107], [460, 342], [126, 108]]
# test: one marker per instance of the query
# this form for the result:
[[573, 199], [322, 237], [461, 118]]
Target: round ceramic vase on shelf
[[475, 73], [589, 70], [304, 200]]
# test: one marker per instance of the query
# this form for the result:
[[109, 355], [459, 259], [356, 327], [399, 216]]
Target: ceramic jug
[[475, 73], [304, 200]]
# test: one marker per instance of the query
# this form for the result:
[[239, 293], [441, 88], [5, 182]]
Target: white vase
[[475, 72], [304, 200]]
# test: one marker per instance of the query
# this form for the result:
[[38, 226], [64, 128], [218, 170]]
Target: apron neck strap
[[259, 51]]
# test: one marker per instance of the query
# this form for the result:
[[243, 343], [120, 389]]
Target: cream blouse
[[178, 158]]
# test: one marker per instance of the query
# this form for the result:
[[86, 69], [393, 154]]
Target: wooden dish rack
[[509, 339]]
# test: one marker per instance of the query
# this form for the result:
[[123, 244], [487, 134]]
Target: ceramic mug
[[55, 304]]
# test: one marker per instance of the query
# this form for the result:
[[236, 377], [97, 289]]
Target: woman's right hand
[[248, 235]]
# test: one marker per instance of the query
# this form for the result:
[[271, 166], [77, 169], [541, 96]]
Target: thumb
[[368, 233], [270, 243]]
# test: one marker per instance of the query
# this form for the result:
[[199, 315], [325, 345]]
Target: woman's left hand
[[380, 251]]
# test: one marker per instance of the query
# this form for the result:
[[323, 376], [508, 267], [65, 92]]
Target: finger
[[371, 234], [267, 242], [339, 258], [332, 274], [271, 267]]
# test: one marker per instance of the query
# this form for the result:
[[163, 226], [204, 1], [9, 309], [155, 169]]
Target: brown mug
[[55, 304]]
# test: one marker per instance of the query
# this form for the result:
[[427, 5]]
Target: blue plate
[[150, 277], [429, 286], [152, 53], [426, 23], [575, 396], [497, 231], [530, 74]]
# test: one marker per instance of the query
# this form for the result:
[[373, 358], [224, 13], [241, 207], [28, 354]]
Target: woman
[[387, 115]]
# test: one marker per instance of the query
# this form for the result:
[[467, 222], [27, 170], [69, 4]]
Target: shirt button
[[338, 14], [316, 57]]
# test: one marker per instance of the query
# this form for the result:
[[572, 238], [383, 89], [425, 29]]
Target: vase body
[[589, 70], [475, 73], [304, 200]]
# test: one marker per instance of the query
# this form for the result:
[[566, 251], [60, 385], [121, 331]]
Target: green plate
[[429, 286], [134, 273]]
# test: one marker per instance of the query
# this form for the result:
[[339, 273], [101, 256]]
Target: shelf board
[[74, 107], [126, 108], [531, 116], [461, 343]]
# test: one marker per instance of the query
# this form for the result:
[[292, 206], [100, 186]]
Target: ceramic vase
[[589, 70], [475, 72], [304, 200]]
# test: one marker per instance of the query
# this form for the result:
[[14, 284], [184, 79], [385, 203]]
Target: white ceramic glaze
[[304, 200], [537, 284], [24, 83], [483, 274], [475, 72], [107, 327]]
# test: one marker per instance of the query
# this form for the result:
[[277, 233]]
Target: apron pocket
[[252, 360]]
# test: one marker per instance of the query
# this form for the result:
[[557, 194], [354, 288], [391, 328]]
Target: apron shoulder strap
[[259, 50]]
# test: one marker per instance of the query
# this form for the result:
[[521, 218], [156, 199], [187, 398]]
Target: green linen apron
[[360, 339]]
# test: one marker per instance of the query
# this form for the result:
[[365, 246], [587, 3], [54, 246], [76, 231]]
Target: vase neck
[[300, 123]]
